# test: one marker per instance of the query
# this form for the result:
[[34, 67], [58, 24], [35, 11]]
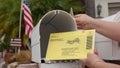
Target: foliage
[[40, 7], [9, 18], [10, 13], [3, 46]]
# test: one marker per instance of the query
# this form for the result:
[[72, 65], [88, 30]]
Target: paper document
[[70, 45]]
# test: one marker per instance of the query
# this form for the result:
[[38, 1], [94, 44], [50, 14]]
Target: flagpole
[[20, 19]]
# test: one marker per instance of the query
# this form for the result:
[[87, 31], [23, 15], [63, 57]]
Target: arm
[[93, 61], [106, 28], [106, 65]]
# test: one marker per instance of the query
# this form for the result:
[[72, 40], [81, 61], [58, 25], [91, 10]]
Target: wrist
[[97, 62], [93, 24]]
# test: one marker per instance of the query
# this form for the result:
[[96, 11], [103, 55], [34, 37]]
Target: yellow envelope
[[70, 45]]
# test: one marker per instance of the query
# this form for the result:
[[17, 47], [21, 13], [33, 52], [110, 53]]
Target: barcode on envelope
[[89, 42]]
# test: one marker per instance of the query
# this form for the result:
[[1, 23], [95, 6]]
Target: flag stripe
[[26, 8], [27, 18], [29, 31], [28, 13], [28, 22], [26, 29]]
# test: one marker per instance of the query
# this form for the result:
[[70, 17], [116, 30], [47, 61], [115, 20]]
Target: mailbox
[[61, 21], [52, 22]]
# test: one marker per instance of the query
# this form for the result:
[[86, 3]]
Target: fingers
[[88, 61], [95, 51], [79, 25], [91, 55], [76, 16], [83, 63]]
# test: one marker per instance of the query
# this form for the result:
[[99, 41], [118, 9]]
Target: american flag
[[27, 17]]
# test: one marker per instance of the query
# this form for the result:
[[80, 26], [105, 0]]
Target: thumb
[[84, 63]]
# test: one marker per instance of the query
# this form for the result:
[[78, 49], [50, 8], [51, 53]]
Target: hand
[[83, 21], [91, 60]]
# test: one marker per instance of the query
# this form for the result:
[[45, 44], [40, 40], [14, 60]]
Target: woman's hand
[[83, 21], [91, 60]]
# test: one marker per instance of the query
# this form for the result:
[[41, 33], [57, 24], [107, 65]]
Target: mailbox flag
[[27, 18]]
